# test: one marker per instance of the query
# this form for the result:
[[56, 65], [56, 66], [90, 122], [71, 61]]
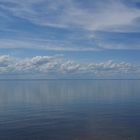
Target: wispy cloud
[[102, 15], [117, 40], [75, 28], [69, 22], [52, 45]]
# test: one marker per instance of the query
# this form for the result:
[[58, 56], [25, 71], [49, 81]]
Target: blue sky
[[70, 38]]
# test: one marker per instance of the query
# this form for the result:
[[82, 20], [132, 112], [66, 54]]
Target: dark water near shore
[[70, 110]]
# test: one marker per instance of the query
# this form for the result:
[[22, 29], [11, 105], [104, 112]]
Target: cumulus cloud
[[4, 60], [69, 67], [111, 67], [61, 67], [41, 64]]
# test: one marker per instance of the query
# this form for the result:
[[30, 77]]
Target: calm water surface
[[70, 110]]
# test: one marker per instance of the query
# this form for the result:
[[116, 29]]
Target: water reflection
[[70, 110]]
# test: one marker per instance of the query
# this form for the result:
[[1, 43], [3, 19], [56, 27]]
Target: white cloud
[[36, 64], [110, 67], [68, 13], [52, 45], [61, 67], [107, 15], [69, 67], [4, 60]]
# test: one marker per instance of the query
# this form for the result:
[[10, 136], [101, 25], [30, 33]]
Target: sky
[[72, 39]]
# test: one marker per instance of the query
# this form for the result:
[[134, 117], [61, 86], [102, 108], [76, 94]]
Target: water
[[70, 110]]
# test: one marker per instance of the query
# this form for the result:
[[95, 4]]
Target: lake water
[[70, 110]]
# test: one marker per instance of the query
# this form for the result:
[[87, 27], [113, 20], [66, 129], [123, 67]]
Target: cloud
[[41, 64], [98, 15], [69, 67], [117, 40], [45, 44], [4, 60], [69, 25], [110, 67], [58, 66]]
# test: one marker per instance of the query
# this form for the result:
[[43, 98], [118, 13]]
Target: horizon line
[[71, 79]]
